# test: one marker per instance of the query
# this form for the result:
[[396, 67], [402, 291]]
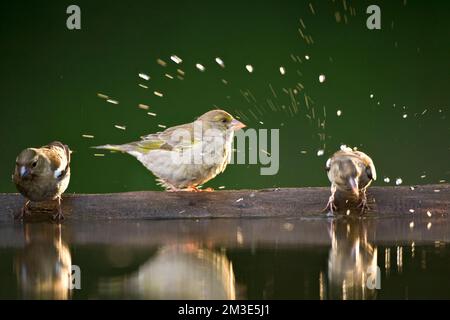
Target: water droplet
[[144, 76], [220, 62], [176, 59], [200, 67]]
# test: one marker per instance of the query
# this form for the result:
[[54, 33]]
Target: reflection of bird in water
[[179, 272], [350, 173], [43, 267], [352, 262]]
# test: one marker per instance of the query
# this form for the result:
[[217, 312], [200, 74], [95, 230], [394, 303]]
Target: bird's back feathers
[[175, 138], [59, 156]]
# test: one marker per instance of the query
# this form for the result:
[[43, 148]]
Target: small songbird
[[350, 173], [186, 156], [43, 174]]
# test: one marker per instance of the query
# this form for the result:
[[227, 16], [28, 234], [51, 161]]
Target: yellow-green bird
[[43, 174], [350, 173], [186, 156]]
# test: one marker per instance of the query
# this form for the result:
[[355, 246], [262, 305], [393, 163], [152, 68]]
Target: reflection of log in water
[[43, 267], [177, 272], [352, 262]]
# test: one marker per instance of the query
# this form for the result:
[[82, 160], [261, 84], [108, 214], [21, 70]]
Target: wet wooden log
[[267, 203]]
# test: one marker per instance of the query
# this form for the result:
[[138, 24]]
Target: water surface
[[314, 258]]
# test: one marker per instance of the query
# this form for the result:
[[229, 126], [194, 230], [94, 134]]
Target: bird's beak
[[236, 125], [354, 185], [24, 172]]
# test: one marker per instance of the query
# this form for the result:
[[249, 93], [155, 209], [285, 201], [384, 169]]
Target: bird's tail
[[114, 147]]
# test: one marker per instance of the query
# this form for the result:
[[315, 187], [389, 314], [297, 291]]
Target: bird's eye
[[224, 120], [34, 164]]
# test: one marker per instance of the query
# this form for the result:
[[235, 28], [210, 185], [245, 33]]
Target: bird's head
[[220, 119], [345, 175], [29, 163]]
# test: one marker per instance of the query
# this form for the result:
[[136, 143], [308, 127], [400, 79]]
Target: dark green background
[[50, 77]]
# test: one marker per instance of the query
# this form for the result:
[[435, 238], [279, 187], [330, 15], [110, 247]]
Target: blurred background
[[383, 91]]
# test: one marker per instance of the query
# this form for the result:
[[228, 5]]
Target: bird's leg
[[331, 207], [58, 216], [363, 204], [23, 212]]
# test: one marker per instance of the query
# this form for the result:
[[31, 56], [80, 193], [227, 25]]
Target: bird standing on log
[[43, 174], [350, 173], [186, 156]]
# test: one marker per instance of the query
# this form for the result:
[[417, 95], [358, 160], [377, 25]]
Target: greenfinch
[[186, 156], [350, 173], [181, 271], [43, 174]]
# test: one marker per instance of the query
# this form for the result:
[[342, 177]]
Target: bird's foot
[[58, 216], [331, 207], [192, 189], [195, 189], [363, 206], [23, 212]]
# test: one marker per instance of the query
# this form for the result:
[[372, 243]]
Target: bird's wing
[[328, 164], [174, 138], [370, 167], [59, 156]]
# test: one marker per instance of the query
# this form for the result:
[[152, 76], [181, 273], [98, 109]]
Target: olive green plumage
[[186, 156]]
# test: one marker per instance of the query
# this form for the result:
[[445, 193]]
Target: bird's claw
[[58, 216], [331, 207], [363, 206], [23, 212], [195, 189]]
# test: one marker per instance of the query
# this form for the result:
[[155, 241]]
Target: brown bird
[[43, 174], [350, 173]]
